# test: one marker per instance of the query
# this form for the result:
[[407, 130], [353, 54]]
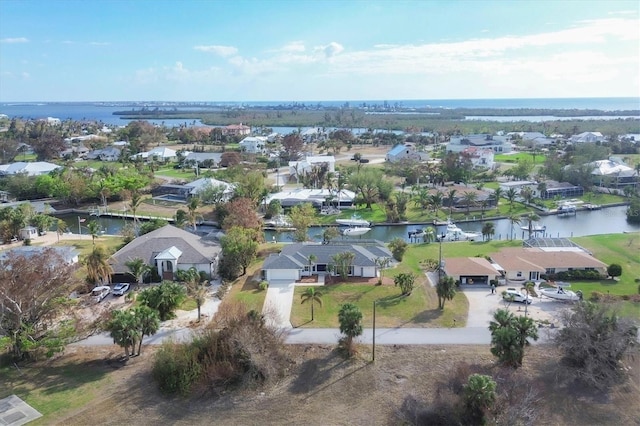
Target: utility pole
[[373, 351]]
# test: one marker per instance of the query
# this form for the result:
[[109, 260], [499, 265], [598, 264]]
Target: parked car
[[99, 293], [120, 289], [513, 295]]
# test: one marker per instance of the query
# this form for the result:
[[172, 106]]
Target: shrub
[[614, 270], [263, 285], [176, 368], [398, 247]]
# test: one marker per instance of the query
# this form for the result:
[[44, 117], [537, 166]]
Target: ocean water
[[103, 111]]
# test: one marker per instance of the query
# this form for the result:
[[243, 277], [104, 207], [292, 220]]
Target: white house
[[518, 185], [297, 168], [28, 233], [110, 153], [159, 153], [497, 143], [295, 261], [203, 183], [68, 254], [402, 152], [35, 168], [480, 158], [317, 197], [254, 144], [587, 137]]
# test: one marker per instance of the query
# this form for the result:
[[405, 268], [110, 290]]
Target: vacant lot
[[90, 386]]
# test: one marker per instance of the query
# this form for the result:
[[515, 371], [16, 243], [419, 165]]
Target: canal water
[[605, 221]]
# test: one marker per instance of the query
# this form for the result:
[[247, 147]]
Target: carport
[[470, 270]]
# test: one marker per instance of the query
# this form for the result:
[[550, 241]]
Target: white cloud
[[99, 43], [223, 51], [294, 46], [12, 40], [330, 50]]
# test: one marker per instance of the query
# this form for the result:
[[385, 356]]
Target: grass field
[[514, 158]]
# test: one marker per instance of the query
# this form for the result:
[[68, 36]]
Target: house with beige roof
[[519, 264], [470, 270]]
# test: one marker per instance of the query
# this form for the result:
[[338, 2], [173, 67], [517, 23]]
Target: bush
[[263, 285], [614, 270], [176, 368], [398, 247]]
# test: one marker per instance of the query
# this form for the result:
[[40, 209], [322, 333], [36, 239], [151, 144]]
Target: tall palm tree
[[529, 290], [98, 267], [312, 258], [94, 230], [451, 196], [511, 196], [469, 198], [138, 269], [488, 229], [193, 282], [311, 295], [498, 192], [531, 218], [61, 227], [436, 201], [134, 203], [193, 205], [429, 234], [514, 219]]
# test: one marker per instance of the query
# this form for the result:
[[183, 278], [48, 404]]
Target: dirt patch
[[358, 280], [322, 388]]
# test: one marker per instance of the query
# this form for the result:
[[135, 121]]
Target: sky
[[300, 50]]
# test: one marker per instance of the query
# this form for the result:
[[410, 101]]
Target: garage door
[[283, 274]]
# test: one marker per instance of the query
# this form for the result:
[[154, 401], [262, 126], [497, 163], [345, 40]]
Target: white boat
[[279, 221], [566, 210], [561, 293], [355, 232], [534, 228], [354, 221], [456, 234]]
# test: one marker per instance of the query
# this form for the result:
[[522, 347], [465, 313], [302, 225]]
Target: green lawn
[[186, 174], [514, 158], [84, 246]]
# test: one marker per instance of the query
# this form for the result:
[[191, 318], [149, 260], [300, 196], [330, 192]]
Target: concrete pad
[[278, 303], [15, 412]]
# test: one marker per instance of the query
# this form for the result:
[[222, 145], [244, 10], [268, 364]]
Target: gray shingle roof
[[294, 256], [195, 250]]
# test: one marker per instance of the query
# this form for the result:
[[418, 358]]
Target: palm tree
[[350, 319], [469, 198], [136, 200], [511, 196], [97, 264], [94, 230], [451, 196], [180, 218], [193, 282], [529, 289], [312, 258], [194, 202], [527, 194], [498, 192], [61, 228], [436, 201], [488, 230], [514, 220], [138, 269], [311, 295], [531, 218], [429, 234]]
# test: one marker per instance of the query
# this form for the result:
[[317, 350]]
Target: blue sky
[[300, 50]]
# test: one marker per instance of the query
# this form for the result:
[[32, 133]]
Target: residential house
[[518, 185], [169, 249], [552, 189], [5, 196], [497, 143], [294, 261], [211, 159], [470, 270], [586, 137], [401, 152], [35, 168], [480, 157], [520, 264], [613, 173], [254, 144], [29, 233], [317, 197], [159, 153], [236, 130], [67, 253], [202, 184], [110, 153], [298, 168]]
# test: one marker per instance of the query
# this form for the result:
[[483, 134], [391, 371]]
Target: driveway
[[278, 303]]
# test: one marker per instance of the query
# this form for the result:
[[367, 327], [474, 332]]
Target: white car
[[100, 292], [513, 295], [120, 289]]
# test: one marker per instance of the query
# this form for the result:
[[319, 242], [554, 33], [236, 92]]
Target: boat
[[356, 231], [534, 228], [592, 206], [566, 210], [354, 221], [560, 292], [279, 222], [456, 234]]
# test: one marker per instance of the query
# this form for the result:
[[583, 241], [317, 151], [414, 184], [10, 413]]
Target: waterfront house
[[587, 137], [552, 189], [294, 262], [299, 168], [481, 158], [470, 270], [236, 130], [110, 153], [317, 197], [496, 143], [169, 249], [209, 159], [35, 168], [612, 173], [159, 153]]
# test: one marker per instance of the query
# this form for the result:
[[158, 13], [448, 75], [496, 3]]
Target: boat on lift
[[534, 228], [454, 233]]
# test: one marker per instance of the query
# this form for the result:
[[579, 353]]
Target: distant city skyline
[[320, 50]]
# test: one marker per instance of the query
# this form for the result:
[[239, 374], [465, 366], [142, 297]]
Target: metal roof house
[[35, 168], [169, 249]]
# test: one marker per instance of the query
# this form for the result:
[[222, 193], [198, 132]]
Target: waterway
[[605, 221]]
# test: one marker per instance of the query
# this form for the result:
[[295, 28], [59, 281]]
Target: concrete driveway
[[278, 303]]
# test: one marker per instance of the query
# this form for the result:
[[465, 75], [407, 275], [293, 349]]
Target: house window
[[519, 274], [551, 270], [306, 268]]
